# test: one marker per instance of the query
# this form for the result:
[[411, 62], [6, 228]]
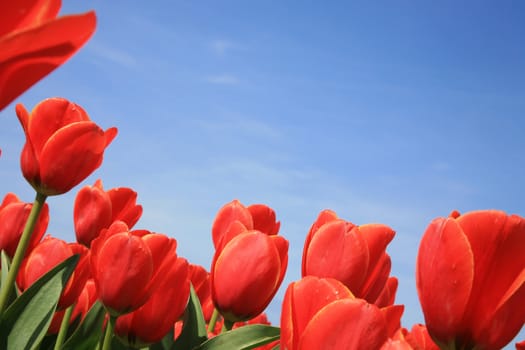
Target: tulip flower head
[[63, 146], [249, 265], [127, 266], [354, 255], [322, 313], [96, 209], [470, 279], [13, 217]]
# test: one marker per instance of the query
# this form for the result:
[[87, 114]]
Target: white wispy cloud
[[223, 79], [112, 54], [221, 46]]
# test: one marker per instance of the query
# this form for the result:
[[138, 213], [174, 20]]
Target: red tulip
[[200, 279], [152, 321], [419, 338], [520, 345], [63, 146], [471, 281], [13, 217], [127, 267], [246, 274], [234, 218], [33, 42], [48, 254], [95, 209], [322, 313], [354, 255]]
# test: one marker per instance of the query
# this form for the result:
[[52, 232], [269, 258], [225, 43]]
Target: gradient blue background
[[395, 112]]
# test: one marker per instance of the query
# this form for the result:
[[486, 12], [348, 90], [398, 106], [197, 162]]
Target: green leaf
[[194, 326], [25, 322], [165, 344], [243, 338], [277, 347], [89, 332], [6, 264]]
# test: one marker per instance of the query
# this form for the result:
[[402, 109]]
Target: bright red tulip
[[152, 321], [95, 209], [127, 267], [33, 42], [470, 277], [246, 274], [63, 146], [13, 217], [322, 313], [354, 255], [234, 218], [48, 254]]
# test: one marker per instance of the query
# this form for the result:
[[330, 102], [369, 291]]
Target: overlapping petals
[[63, 146], [33, 42], [354, 255], [471, 279]]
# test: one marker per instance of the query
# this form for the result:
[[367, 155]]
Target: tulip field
[[119, 287]]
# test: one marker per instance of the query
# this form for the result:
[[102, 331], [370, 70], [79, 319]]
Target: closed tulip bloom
[[322, 313], [470, 279], [354, 255], [419, 338], [246, 274], [96, 209], [13, 217], [33, 42], [127, 266], [152, 321], [200, 280], [63, 146], [48, 254]]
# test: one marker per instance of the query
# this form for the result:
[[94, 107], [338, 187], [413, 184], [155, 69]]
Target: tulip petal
[[245, 275], [345, 324], [264, 219], [26, 13], [70, 155], [233, 211], [444, 275], [302, 300], [498, 245], [27, 56], [337, 252], [91, 213]]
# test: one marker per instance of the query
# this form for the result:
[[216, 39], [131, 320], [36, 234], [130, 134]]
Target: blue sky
[[395, 113]]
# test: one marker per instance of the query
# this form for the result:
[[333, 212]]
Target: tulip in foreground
[[322, 313], [63, 146], [354, 255], [471, 279], [33, 42]]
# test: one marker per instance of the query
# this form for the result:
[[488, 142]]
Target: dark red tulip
[[33, 42], [13, 217], [95, 209], [322, 313], [471, 281], [152, 321], [354, 255], [63, 146], [48, 254]]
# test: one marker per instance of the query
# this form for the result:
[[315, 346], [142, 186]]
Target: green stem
[[21, 249], [228, 325], [108, 336], [63, 328], [213, 320]]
